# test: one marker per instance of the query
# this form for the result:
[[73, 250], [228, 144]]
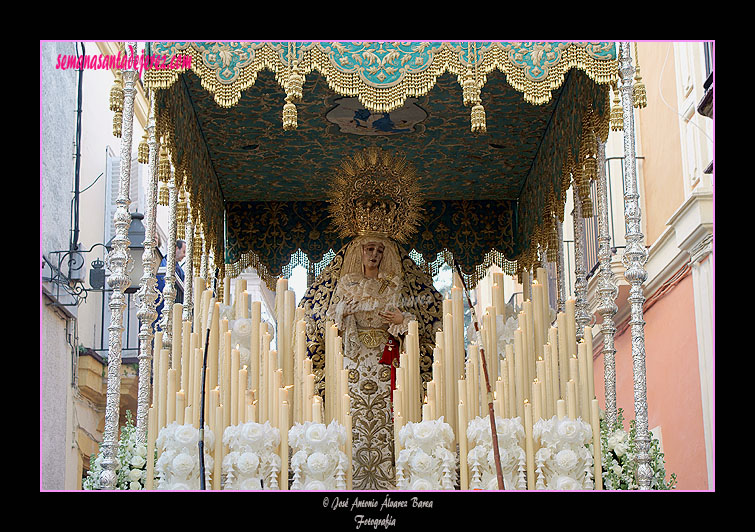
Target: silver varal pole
[[580, 275], [188, 310], [148, 292], [561, 281], [119, 262], [607, 291], [169, 291], [635, 257]]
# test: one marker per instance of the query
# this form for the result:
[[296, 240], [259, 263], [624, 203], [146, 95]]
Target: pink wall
[[673, 383]]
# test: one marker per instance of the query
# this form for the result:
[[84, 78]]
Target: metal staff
[[496, 452], [204, 373]]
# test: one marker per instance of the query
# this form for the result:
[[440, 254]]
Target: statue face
[[372, 254]]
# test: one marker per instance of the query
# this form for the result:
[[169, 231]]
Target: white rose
[[137, 461], [318, 462], [618, 442], [135, 475], [248, 462], [186, 435], [421, 484], [250, 484], [183, 464], [569, 430], [563, 482], [315, 433], [621, 448], [298, 459], [421, 462], [315, 485], [425, 432], [134, 485], [251, 433], [616, 468], [566, 459], [242, 327]]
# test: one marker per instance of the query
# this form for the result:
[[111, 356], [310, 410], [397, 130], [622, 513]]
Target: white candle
[[151, 436], [537, 299], [171, 389], [289, 305], [571, 326], [218, 457], [175, 356], [242, 382], [529, 446], [590, 361], [214, 343], [255, 347], [584, 400], [519, 371], [284, 426], [595, 423], [316, 409], [561, 408], [180, 406], [234, 402], [450, 365], [245, 304], [463, 471], [571, 396], [225, 383], [162, 388], [457, 306], [563, 355]]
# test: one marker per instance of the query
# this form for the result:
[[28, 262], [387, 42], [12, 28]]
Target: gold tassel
[[163, 195], [478, 119], [116, 94], [117, 124], [639, 93], [289, 115], [163, 166], [143, 150], [617, 113], [470, 90], [182, 213], [295, 84]]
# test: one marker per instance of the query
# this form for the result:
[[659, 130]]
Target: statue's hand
[[392, 316]]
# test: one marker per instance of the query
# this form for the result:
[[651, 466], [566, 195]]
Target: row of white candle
[[239, 395]]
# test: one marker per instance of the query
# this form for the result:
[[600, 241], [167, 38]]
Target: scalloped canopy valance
[[258, 187]]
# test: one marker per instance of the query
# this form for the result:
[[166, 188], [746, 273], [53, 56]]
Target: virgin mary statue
[[371, 290]]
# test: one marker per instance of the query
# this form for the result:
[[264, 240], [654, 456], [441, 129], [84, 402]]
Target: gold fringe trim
[[384, 99]]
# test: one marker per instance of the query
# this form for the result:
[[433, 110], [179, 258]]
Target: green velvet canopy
[[260, 191]]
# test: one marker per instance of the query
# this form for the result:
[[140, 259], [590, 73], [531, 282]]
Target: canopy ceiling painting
[[496, 131]]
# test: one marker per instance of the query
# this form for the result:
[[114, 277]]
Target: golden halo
[[375, 192]]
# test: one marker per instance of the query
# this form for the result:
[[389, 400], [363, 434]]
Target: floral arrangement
[[426, 461], [481, 459], [132, 461], [564, 460], [317, 462], [177, 467], [252, 463], [619, 458]]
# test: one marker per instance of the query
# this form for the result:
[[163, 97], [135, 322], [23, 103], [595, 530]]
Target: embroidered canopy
[[497, 132]]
